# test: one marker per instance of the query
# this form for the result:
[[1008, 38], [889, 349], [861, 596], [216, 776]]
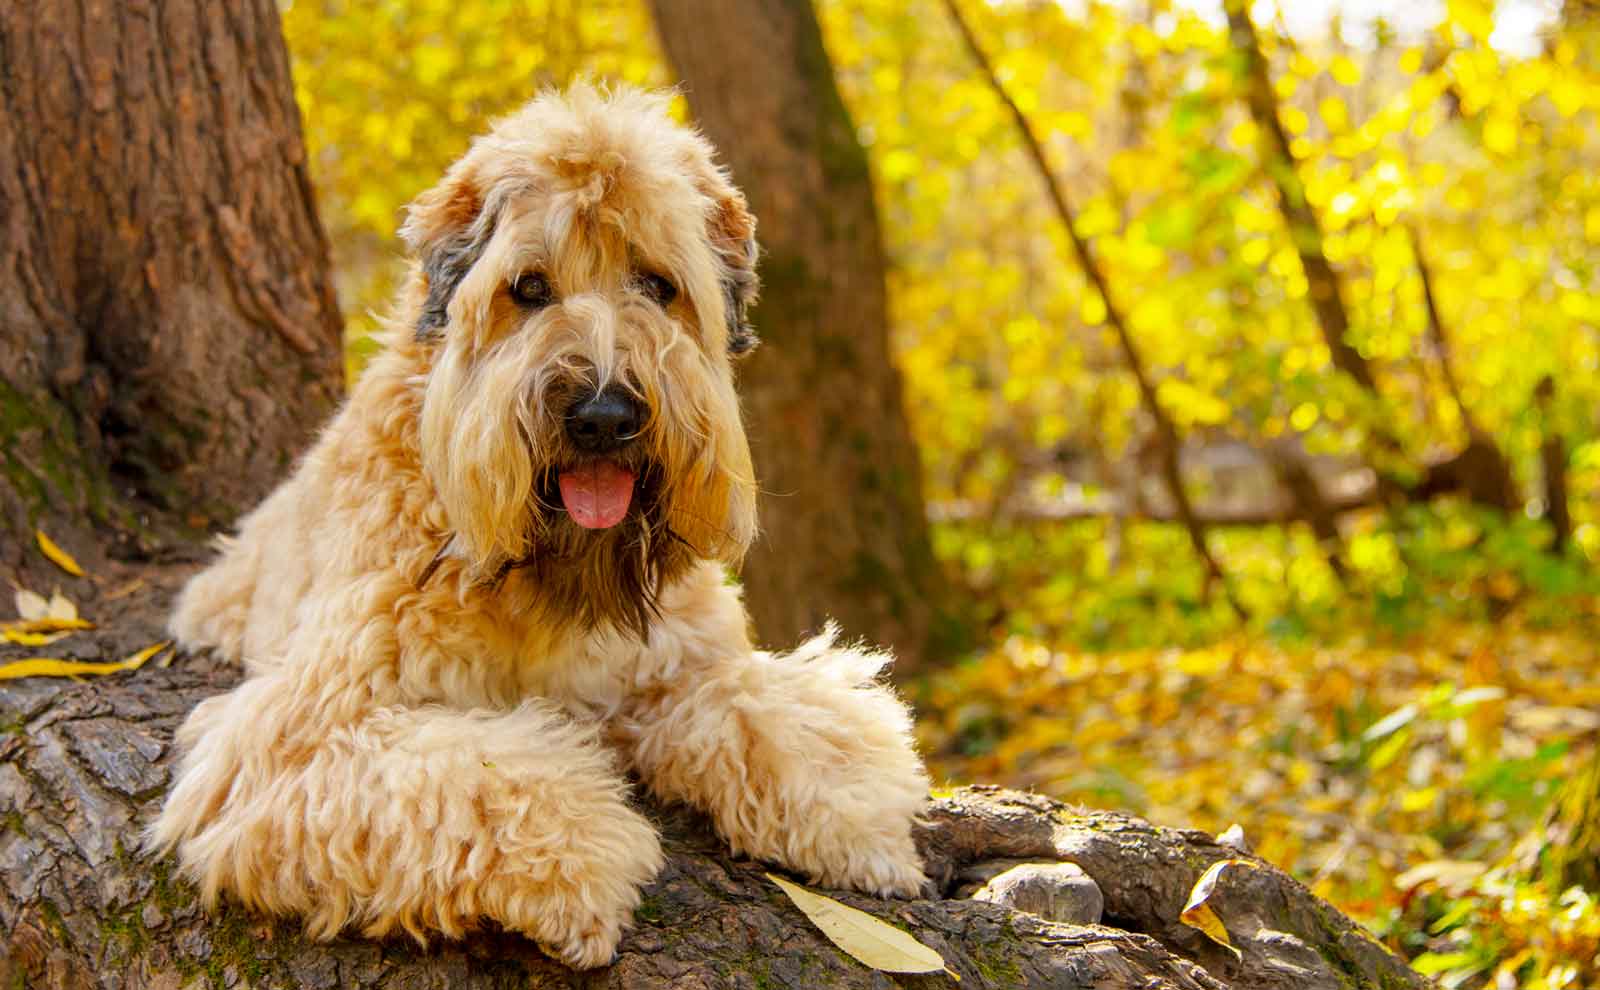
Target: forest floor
[[1405, 778]]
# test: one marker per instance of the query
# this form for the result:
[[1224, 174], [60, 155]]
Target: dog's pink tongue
[[597, 494]]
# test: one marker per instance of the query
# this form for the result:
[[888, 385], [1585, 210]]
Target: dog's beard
[[598, 576]]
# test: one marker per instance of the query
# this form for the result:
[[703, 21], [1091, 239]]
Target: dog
[[497, 586]]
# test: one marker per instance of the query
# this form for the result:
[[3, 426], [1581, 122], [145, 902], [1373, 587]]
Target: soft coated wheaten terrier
[[495, 585]]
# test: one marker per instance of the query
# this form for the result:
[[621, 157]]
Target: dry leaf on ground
[[42, 621], [57, 556], [866, 939], [54, 667], [31, 604], [1198, 914]]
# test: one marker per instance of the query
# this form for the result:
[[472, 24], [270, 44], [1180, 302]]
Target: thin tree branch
[[1327, 298], [1166, 431], [1553, 461], [1439, 338]]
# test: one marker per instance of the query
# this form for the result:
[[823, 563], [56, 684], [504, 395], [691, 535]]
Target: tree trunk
[[169, 335], [844, 531], [84, 765]]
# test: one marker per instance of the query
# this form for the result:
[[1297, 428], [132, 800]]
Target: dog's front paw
[[577, 908], [878, 859], [582, 925], [888, 869], [590, 949]]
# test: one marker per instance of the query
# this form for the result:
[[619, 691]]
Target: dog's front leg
[[415, 819], [803, 758]]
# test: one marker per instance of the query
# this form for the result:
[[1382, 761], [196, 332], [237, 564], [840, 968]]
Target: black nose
[[603, 422]]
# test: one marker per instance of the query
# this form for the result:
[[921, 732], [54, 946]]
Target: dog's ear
[[733, 234], [446, 229]]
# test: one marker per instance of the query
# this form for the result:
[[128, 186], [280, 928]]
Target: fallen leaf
[[123, 590], [57, 556], [53, 667], [1394, 721], [45, 624], [866, 939], [1453, 876], [1233, 838], [32, 638], [31, 605], [61, 608], [1197, 913]]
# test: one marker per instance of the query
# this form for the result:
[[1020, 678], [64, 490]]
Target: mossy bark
[[84, 765], [168, 331], [844, 530]]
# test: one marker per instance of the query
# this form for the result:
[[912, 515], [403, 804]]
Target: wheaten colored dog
[[495, 585]]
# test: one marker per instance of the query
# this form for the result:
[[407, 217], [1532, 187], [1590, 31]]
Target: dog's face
[[586, 268]]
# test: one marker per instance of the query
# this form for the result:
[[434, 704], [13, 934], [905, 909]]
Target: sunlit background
[[1397, 716]]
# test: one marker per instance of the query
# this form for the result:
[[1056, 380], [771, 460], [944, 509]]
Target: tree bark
[[84, 765], [169, 334], [844, 533]]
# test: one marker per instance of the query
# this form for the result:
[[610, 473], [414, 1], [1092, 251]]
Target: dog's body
[[495, 585]]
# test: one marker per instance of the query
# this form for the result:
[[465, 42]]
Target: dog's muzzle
[[598, 492]]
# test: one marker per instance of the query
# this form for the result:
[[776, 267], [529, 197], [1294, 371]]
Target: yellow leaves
[[1304, 417], [1500, 132], [1199, 915], [898, 165], [52, 667], [41, 621], [1205, 662], [57, 556], [1344, 70], [1452, 876], [1191, 406], [1475, 17], [866, 939], [41, 632], [1334, 113]]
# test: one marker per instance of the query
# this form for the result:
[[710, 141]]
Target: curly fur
[[447, 680]]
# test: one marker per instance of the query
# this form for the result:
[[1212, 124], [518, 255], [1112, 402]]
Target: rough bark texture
[[83, 765], [844, 534], [168, 329]]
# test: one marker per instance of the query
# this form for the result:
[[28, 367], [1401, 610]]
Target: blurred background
[[1200, 397]]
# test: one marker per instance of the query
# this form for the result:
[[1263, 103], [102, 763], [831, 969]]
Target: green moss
[[53, 474], [996, 960], [53, 920], [649, 909]]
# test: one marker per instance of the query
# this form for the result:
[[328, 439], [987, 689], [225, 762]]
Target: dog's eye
[[532, 289], [657, 287]]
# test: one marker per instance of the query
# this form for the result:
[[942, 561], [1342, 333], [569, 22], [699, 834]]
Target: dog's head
[[585, 273]]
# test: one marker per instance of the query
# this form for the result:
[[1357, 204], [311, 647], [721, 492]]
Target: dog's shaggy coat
[[448, 676]]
